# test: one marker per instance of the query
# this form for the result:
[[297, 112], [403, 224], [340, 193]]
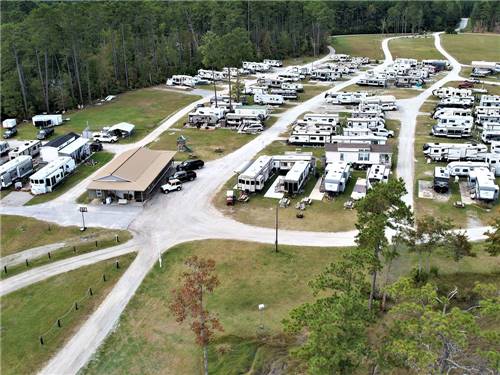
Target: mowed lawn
[[418, 48], [398, 93], [21, 233], [30, 312], [81, 172], [472, 47], [368, 45], [149, 341], [144, 108]]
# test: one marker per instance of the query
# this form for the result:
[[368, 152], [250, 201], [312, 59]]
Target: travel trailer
[[490, 101], [385, 102], [365, 123], [44, 180], [312, 134], [453, 127], [441, 183], [296, 177], [286, 94], [205, 115], [299, 87], [30, 148], [261, 98], [9, 123], [377, 173], [360, 155], [482, 183], [47, 121], [493, 161], [367, 132], [455, 101], [210, 75], [450, 111], [291, 76], [324, 75], [372, 81], [15, 169], [344, 98], [490, 135], [322, 118], [446, 92], [4, 147], [463, 168], [369, 138], [255, 176], [455, 151], [284, 162], [182, 80], [478, 110], [336, 177], [275, 63], [483, 119], [367, 114]]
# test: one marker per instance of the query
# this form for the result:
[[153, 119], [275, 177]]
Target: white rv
[[479, 110], [296, 177], [447, 111], [385, 102], [45, 121], [344, 98], [455, 151], [299, 87], [15, 169], [312, 134], [446, 92], [490, 101], [51, 175], [490, 135], [482, 182], [369, 138], [205, 115], [210, 75], [275, 63], [30, 148], [495, 147], [367, 114], [261, 98], [453, 126], [256, 175], [463, 168], [365, 123], [9, 123], [367, 132], [372, 81], [360, 155], [441, 182], [377, 173], [182, 80], [291, 76], [336, 177], [324, 75], [455, 101], [493, 118]]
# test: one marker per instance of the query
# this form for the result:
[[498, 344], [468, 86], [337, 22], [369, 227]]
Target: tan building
[[132, 175]]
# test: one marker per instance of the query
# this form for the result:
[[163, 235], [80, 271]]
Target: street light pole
[[82, 210], [276, 225]]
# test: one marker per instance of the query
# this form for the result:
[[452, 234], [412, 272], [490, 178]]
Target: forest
[[60, 55]]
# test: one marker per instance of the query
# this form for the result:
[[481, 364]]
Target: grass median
[[419, 48], [468, 47], [366, 45]]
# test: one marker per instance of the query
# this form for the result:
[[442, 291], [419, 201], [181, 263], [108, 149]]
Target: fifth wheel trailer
[[15, 169], [44, 180]]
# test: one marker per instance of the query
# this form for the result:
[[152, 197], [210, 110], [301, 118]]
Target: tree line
[[59, 55]]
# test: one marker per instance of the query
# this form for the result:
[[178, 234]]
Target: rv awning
[[73, 146], [123, 126]]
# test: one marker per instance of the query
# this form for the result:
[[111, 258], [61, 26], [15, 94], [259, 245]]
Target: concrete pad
[[465, 192], [16, 198], [426, 191], [316, 195], [271, 192]]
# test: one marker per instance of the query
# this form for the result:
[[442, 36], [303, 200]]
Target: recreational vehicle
[[51, 175], [478, 110], [385, 102], [324, 75], [299, 87], [261, 98], [377, 173], [46, 121], [290, 76], [482, 183], [365, 123], [368, 138], [453, 127], [359, 190], [285, 162], [344, 98], [275, 63], [9, 123], [495, 147], [322, 118], [286, 94], [15, 169], [493, 161], [30, 148], [312, 135], [336, 177], [210, 75], [182, 80], [360, 155], [455, 151], [205, 115], [372, 81], [483, 119], [367, 114], [441, 181], [446, 92], [455, 101], [367, 132], [463, 168], [297, 177], [490, 135], [443, 112], [490, 101], [4, 147], [256, 175]]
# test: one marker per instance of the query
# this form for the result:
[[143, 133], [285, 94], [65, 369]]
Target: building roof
[[59, 141], [255, 169], [123, 126], [74, 146], [50, 168], [334, 147], [133, 170]]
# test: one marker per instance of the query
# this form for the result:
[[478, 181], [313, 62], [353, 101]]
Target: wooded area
[[58, 55]]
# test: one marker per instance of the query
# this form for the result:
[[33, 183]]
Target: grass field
[[144, 108], [472, 47], [369, 45], [475, 214], [311, 90], [492, 89], [399, 93], [31, 311], [82, 172], [149, 341], [22, 233], [302, 60], [417, 48]]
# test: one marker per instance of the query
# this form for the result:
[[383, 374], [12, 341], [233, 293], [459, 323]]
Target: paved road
[[36, 252]]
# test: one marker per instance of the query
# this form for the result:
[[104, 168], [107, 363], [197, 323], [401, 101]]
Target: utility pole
[[82, 210], [276, 225]]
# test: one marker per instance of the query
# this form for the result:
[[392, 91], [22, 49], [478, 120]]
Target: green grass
[[417, 48], [472, 47], [21, 233], [399, 93], [149, 341], [31, 311], [367, 45], [144, 108], [75, 247], [311, 90], [302, 60], [81, 172]]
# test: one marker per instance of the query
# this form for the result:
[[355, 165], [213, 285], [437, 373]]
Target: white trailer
[[285, 162], [453, 127], [372, 81], [325, 75], [275, 63], [4, 147], [368, 138], [9, 123], [447, 92], [182, 80], [256, 175], [489, 135], [312, 134], [360, 155], [482, 182], [336, 177], [45, 121], [299, 87], [490, 101], [51, 175], [323, 118], [455, 101], [495, 147], [455, 151], [344, 98], [377, 173], [365, 123], [15, 169], [261, 98], [385, 102], [493, 161], [463, 168], [367, 114], [443, 112], [30, 148], [490, 118], [205, 115], [210, 75], [297, 177]]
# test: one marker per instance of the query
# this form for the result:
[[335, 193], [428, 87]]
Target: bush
[[450, 30], [434, 271], [419, 277]]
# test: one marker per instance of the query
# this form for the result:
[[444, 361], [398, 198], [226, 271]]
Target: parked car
[[183, 176], [105, 138], [95, 146], [190, 165], [172, 185], [8, 133], [466, 85], [45, 133]]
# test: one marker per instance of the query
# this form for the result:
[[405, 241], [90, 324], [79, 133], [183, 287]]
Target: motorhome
[[453, 127], [463, 168], [455, 151], [482, 183], [372, 81], [30, 148], [367, 138], [483, 119], [490, 135], [261, 98], [9, 123], [44, 180], [441, 182], [441, 112], [345, 98], [455, 101], [490, 101], [298, 87], [205, 115], [377, 173], [385, 102], [15, 169], [478, 110], [493, 161], [275, 63], [336, 177], [255, 176], [297, 177], [360, 155], [4, 147], [446, 92]]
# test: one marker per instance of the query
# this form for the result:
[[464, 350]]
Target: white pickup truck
[[104, 137]]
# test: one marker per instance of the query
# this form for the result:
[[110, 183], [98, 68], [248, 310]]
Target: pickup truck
[[45, 133], [104, 137]]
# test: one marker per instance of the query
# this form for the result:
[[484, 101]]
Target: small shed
[[122, 129]]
